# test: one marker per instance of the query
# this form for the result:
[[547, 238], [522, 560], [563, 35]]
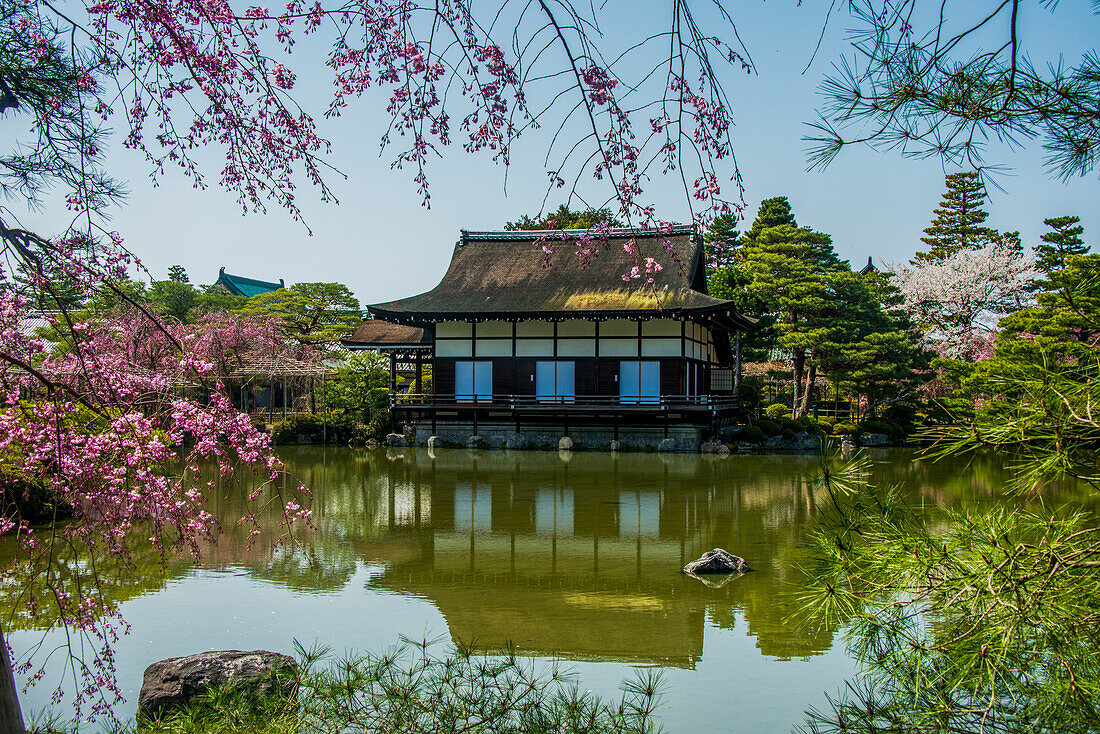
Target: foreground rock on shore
[[171, 683], [717, 561]]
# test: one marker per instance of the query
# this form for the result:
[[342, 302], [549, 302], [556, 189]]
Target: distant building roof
[[869, 267], [240, 286], [32, 321], [378, 334], [504, 275]]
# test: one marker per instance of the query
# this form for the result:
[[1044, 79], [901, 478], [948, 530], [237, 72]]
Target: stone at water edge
[[615, 447], [717, 561], [173, 682], [475, 442], [874, 439], [435, 442], [396, 441], [516, 441], [565, 443]]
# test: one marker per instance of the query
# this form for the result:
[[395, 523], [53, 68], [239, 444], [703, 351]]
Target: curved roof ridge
[[611, 233]]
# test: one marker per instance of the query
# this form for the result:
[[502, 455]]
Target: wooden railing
[[426, 401]]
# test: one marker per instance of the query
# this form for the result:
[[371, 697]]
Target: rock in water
[[396, 440], [874, 439], [516, 441], [435, 442], [475, 442], [173, 682], [565, 443], [717, 561]]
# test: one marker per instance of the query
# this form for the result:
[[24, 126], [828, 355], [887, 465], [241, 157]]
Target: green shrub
[[769, 427], [748, 434], [775, 411], [809, 424], [826, 424], [845, 427], [889, 428], [787, 433], [790, 424]]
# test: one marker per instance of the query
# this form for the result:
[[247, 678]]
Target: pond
[[566, 557]]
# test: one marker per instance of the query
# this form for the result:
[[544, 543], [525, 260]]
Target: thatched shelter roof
[[279, 366], [505, 275], [773, 368], [379, 334]]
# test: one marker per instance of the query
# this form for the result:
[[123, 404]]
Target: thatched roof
[[279, 366], [774, 367], [504, 275], [379, 334]]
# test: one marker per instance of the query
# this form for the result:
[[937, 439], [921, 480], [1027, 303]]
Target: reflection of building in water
[[582, 559]]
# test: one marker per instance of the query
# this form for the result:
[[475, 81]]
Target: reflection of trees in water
[[578, 558], [27, 602]]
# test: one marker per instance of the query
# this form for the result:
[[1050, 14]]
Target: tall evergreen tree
[[720, 242], [789, 270], [959, 219], [177, 274], [1063, 240], [773, 212]]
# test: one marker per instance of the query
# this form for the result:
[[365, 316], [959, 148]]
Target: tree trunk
[[11, 718], [798, 364], [807, 394]]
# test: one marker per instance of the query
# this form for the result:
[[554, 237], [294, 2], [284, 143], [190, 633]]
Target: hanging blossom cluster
[[181, 76], [117, 424]]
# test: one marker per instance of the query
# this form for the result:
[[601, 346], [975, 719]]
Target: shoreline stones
[[476, 442], [435, 442], [565, 443], [396, 441], [717, 561], [516, 441], [171, 683]]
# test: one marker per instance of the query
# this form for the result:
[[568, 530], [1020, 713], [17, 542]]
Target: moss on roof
[[505, 274]]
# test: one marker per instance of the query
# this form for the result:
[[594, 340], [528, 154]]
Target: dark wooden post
[[737, 365], [419, 371]]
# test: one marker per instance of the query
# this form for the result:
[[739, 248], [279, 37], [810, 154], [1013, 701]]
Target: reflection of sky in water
[[576, 560]]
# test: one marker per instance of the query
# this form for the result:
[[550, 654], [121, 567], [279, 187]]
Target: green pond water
[[566, 557]]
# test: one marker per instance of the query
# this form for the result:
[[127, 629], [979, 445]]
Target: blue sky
[[383, 244]]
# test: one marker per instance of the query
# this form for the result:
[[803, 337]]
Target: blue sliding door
[[639, 382], [555, 382], [474, 382]]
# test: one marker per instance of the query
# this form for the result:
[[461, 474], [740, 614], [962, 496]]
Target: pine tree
[[959, 219], [1064, 240], [720, 242], [789, 270], [773, 212], [177, 274]]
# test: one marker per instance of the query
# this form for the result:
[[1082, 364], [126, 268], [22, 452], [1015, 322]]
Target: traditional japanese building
[[238, 285], [592, 347]]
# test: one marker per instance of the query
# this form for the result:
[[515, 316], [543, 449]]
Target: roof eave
[[426, 318]]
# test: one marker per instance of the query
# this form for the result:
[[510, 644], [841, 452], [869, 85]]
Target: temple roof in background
[[239, 285]]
